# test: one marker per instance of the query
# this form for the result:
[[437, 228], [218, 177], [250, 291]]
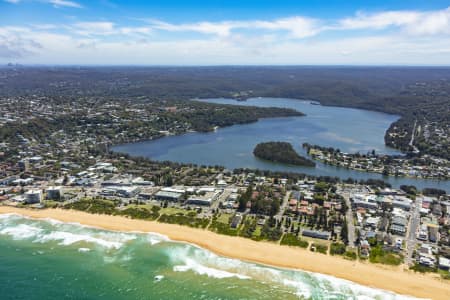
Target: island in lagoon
[[281, 152]]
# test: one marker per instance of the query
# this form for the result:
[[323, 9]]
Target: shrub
[[140, 213], [337, 249], [292, 240], [350, 255], [222, 228], [421, 269], [181, 219], [319, 248], [378, 255]]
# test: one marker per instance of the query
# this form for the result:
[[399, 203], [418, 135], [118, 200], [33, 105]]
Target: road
[[283, 205], [413, 135], [222, 197], [350, 223], [414, 223], [411, 142]]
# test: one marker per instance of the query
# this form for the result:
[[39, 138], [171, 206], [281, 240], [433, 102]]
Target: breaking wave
[[183, 257], [304, 284], [64, 234]]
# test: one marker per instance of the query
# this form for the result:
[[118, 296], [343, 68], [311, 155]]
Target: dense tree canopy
[[281, 152]]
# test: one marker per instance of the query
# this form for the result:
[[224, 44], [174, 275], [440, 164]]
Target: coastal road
[[414, 223], [349, 217]]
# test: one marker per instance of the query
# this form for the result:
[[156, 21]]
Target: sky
[[227, 32]]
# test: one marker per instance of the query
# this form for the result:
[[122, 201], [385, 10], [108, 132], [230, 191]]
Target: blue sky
[[246, 32]]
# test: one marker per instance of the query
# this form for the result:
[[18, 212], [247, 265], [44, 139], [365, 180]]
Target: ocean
[[48, 259]]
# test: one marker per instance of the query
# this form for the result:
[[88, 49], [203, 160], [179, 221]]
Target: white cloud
[[380, 20], [298, 27], [106, 29], [412, 22], [135, 30], [391, 37], [56, 3], [16, 43], [45, 26], [64, 3], [219, 28], [93, 28], [45, 47], [437, 22]]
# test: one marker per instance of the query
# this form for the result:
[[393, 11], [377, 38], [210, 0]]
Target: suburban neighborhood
[[356, 221]]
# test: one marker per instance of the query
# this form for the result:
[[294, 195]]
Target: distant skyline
[[245, 32]]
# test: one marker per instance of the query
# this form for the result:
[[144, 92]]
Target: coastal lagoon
[[350, 130], [89, 263]]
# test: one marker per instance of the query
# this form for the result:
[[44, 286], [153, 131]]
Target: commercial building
[[169, 195], [402, 203], [33, 196], [203, 199], [54, 193], [364, 201], [398, 225], [122, 191]]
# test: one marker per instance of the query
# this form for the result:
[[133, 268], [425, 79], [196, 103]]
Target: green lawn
[[257, 231], [292, 240], [378, 255], [224, 218], [173, 211], [220, 224]]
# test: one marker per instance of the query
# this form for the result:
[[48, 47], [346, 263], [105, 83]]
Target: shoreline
[[388, 278], [376, 172], [395, 181]]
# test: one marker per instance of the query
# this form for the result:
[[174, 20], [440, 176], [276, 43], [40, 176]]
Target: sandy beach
[[394, 279]]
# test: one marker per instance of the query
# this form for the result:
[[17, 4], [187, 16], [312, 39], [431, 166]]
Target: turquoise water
[[350, 130], [47, 259]]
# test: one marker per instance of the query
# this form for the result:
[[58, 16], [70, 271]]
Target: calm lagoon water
[[348, 129], [46, 259]]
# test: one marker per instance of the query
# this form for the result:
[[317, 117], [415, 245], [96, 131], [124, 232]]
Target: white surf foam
[[305, 284], [47, 230], [202, 262], [154, 238], [200, 269], [302, 290], [360, 292], [68, 238], [83, 250], [9, 216], [21, 231], [187, 257]]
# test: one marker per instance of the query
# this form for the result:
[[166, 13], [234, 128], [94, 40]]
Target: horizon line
[[10, 64]]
